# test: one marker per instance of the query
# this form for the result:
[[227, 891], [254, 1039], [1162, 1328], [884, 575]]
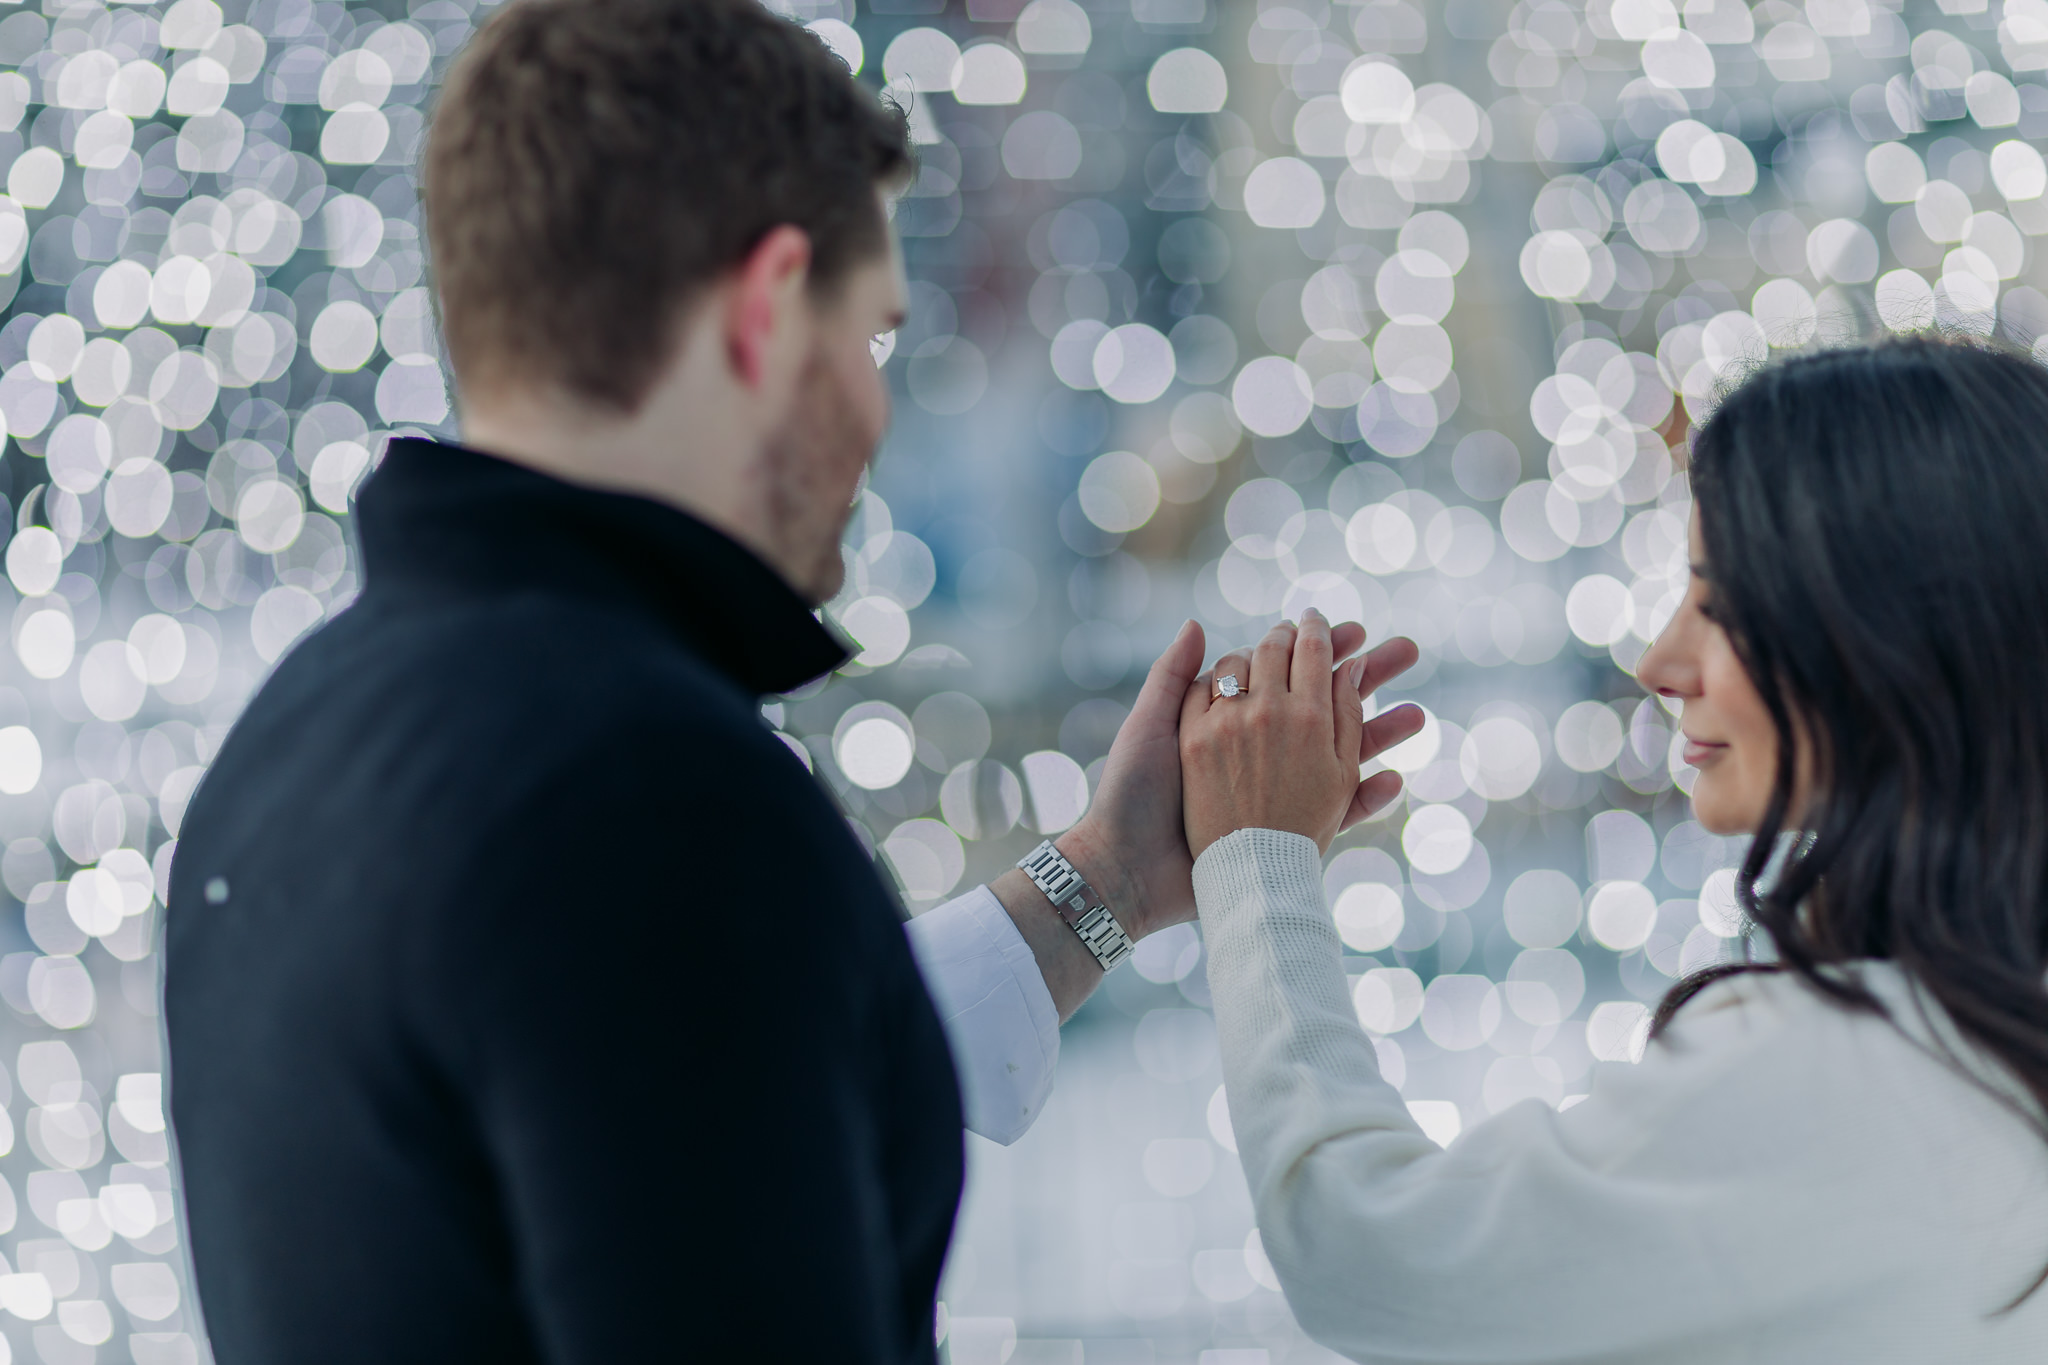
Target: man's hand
[[1130, 845]]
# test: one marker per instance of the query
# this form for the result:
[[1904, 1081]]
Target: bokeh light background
[[1218, 309]]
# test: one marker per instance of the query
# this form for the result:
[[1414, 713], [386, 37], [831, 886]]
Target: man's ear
[[763, 299]]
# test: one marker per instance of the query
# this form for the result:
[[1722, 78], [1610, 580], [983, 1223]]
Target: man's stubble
[[809, 468]]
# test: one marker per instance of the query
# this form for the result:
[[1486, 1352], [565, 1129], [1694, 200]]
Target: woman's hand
[[1286, 754], [1132, 844]]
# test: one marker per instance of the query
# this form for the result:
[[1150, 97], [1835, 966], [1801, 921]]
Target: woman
[[1840, 1158]]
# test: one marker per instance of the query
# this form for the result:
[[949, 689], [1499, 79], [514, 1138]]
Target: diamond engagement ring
[[1227, 686]]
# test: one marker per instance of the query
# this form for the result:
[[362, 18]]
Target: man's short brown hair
[[594, 163]]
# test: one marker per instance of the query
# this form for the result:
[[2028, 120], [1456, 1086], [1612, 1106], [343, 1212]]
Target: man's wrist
[[1091, 857], [1069, 970]]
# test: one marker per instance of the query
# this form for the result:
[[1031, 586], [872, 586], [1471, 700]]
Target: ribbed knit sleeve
[[1285, 1022], [1778, 1181]]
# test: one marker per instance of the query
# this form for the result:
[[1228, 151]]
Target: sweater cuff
[[1241, 869]]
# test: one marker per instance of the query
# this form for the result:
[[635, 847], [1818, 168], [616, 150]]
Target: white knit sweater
[[1779, 1179]]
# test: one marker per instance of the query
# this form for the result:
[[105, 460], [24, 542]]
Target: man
[[526, 999]]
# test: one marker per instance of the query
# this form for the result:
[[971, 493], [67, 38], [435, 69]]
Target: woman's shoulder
[[1905, 1052], [1843, 1094], [1745, 1003], [1768, 996]]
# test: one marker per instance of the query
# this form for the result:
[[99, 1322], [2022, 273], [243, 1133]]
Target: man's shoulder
[[443, 723], [526, 670]]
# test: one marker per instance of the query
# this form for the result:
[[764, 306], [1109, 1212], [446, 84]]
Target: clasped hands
[[1286, 754]]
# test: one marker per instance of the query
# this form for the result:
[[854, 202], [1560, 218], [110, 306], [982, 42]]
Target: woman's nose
[[1662, 671]]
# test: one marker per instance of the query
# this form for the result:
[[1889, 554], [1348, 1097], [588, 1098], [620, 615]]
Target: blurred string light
[[211, 260]]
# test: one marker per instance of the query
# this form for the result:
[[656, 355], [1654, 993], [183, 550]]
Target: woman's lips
[[1699, 753]]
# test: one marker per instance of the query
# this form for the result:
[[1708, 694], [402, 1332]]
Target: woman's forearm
[[1299, 1069], [1514, 1246]]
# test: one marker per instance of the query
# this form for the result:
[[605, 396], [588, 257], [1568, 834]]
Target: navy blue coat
[[527, 999]]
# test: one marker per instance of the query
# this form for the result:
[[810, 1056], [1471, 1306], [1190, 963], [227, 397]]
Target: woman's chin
[[1721, 812]]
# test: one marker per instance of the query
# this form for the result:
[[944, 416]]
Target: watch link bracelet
[[1078, 905]]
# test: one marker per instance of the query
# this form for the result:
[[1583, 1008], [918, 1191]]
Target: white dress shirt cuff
[[999, 1016]]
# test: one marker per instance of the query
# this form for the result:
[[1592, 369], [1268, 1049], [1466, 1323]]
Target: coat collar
[[438, 518]]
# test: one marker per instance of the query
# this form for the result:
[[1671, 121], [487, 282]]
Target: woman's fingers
[[1272, 662], [1387, 661], [1312, 655], [1387, 729], [1373, 796], [1273, 760], [1344, 641], [1346, 706]]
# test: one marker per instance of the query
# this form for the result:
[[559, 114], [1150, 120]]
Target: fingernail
[[1311, 611], [1357, 667]]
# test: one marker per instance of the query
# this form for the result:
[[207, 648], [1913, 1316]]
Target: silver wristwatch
[[1079, 906]]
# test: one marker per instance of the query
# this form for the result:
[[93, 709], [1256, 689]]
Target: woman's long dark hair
[[1875, 521]]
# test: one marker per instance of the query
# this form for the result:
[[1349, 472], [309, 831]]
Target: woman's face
[[1728, 732]]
